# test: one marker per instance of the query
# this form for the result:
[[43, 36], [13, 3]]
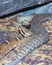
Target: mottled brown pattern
[[40, 56]]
